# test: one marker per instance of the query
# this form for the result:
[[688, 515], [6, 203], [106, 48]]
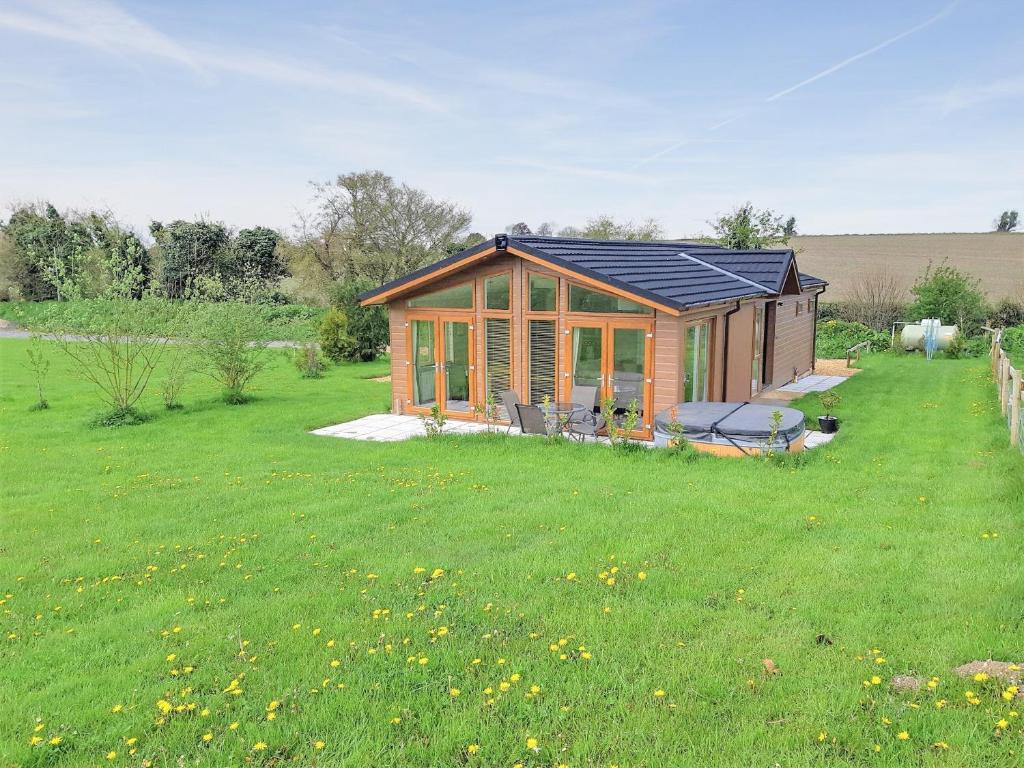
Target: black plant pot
[[828, 424]]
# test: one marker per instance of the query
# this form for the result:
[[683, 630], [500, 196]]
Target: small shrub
[[120, 350], [433, 423], [830, 400], [489, 410], [231, 349], [334, 338], [119, 417], [309, 361], [676, 431], [39, 364], [837, 336], [174, 380], [1013, 342]]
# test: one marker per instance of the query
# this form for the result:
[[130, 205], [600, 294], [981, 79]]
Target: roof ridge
[[717, 268]]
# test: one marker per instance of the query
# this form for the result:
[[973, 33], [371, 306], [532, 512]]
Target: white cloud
[[104, 26], [968, 96]]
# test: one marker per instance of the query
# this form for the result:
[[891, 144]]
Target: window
[[497, 357], [456, 297], [543, 293], [585, 300], [798, 309], [810, 305], [496, 292], [541, 374]]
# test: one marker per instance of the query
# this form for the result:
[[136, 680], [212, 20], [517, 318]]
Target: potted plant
[[829, 401]]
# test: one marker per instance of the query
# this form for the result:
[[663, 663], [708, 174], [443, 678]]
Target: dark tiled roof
[[677, 274], [807, 281], [664, 271]]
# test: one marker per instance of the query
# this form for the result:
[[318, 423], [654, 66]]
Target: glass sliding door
[[456, 368], [628, 365], [698, 346], [587, 357], [424, 364]]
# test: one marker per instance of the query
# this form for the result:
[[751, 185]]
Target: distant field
[[996, 259]]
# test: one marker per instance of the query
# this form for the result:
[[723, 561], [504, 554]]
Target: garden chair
[[586, 396], [531, 419], [510, 400]]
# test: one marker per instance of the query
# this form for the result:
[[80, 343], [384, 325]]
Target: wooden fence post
[[1015, 375], [1004, 382]]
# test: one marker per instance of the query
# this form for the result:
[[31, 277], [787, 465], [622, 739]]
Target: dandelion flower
[[902, 735], [207, 737], [111, 755], [473, 749], [117, 708], [55, 741], [531, 743], [318, 745], [659, 694], [259, 746], [454, 692]]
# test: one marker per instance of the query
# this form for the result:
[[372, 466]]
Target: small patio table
[[559, 412]]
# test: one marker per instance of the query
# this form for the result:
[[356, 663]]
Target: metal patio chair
[[510, 400], [531, 419]]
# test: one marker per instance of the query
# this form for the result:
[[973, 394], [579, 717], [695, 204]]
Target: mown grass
[[161, 562]]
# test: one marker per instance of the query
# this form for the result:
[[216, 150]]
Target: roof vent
[[501, 242]]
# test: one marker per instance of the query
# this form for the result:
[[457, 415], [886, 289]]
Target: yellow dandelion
[[117, 708], [207, 737], [531, 743], [454, 692], [659, 694], [55, 741], [903, 735], [319, 745], [473, 749], [259, 746], [111, 755]]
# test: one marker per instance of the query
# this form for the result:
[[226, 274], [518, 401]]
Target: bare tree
[[368, 225], [876, 299]]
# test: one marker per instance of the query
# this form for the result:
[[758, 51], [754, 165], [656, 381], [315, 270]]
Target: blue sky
[[854, 117]]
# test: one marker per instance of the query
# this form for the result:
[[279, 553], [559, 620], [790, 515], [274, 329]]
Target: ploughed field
[[218, 587]]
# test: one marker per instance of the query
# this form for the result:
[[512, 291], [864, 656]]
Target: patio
[[391, 428]]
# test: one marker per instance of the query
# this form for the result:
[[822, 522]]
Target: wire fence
[[1008, 382]]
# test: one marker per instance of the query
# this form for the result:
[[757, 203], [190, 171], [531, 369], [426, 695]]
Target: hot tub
[[731, 429]]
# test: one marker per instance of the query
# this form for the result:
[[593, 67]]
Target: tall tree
[[51, 250], [605, 227], [368, 225], [1007, 221], [256, 254], [521, 228], [748, 228], [190, 250]]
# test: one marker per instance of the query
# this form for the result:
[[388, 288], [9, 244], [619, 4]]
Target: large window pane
[[543, 293], [628, 359], [542, 373], [496, 292], [456, 297], [586, 357], [585, 300], [456, 366], [696, 367], [423, 363]]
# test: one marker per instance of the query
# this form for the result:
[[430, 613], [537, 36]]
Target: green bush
[[231, 348], [1006, 313], [952, 296], [837, 336], [1013, 343], [290, 322], [334, 339], [368, 328]]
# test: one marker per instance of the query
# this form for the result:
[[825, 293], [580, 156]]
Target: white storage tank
[[915, 336]]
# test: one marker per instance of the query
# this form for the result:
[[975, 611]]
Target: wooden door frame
[[439, 318], [608, 324]]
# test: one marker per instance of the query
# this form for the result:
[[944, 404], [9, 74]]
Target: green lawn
[[190, 577]]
